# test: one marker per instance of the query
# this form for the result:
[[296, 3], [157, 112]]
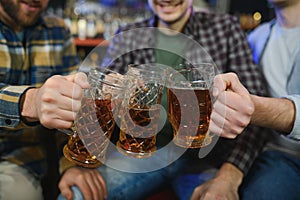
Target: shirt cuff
[[295, 133], [10, 106]]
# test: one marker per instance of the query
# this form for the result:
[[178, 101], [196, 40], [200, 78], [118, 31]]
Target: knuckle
[[197, 189], [75, 107], [52, 81], [77, 92], [44, 121], [232, 132], [232, 136], [234, 75], [243, 123], [250, 109], [46, 97], [60, 184], [80, 177]]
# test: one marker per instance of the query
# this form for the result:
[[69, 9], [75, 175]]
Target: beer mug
[[190, 104], [140, 110], [95, 121]]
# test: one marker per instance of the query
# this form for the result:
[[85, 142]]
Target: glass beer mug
[[141, 110], [190, 104], [95, 121]]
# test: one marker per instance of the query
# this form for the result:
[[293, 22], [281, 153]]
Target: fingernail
[[215, 91]]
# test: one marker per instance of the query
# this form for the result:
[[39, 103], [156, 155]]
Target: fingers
[[233, 107], [80, 79], [227, 81], [233, 103], [98, 186], [69, 88], [222, 127], [84, 186], [56, 123], [58, 88], [59, 99], [89, 181], [103, 185], [52, 98], [65, 190], [93, 186], [231, 114], [56, 111], [197, 193]]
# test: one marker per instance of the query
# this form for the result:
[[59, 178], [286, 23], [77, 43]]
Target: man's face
[[23, 12], [170, 11]]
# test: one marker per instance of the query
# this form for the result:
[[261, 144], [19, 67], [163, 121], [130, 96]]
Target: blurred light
[[257, 16]]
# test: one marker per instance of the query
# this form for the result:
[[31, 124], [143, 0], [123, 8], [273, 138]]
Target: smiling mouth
[[32, 4], [163, 3]]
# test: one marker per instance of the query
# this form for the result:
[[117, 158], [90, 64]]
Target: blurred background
[[93, 21]]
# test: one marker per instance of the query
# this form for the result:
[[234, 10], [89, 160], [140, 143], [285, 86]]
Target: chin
[[26, 20], [169, 18]]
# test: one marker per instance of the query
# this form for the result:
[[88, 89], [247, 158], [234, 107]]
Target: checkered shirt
[[47, 49], [222, 38]]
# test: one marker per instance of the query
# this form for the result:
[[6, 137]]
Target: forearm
[[275, 113]]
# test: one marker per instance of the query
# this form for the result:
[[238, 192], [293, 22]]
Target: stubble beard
[[13, 11]]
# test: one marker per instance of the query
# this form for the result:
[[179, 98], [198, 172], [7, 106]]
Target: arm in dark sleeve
[[250, 143]]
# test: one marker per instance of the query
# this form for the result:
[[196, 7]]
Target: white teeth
[[169, 3]]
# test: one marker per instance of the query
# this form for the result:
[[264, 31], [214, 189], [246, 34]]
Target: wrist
[[231, 174], [27, 105]]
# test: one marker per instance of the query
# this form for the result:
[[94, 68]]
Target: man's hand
[[55, 104], [233, 108], [89, 181], [216, 188], [224, 186]]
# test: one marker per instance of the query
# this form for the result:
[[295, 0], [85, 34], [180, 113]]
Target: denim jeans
[[184, 185], [136, 186], [274, 175]]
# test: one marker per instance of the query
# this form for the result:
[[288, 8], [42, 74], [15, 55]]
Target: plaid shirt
[[47, 49], [221, 37]]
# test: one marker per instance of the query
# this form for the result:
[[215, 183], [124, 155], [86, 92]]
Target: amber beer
[[138, 131], [185, 137], [75, 150]]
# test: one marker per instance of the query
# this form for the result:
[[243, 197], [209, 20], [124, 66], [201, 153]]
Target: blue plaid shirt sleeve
[[47, 49]]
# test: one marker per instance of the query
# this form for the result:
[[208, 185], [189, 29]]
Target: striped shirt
[[222, 42], [46, 49]]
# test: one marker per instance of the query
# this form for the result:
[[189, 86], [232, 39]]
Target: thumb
[[228, 81], [80, 79]]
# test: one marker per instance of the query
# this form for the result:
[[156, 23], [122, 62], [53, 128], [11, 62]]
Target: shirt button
[[8, 121]]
